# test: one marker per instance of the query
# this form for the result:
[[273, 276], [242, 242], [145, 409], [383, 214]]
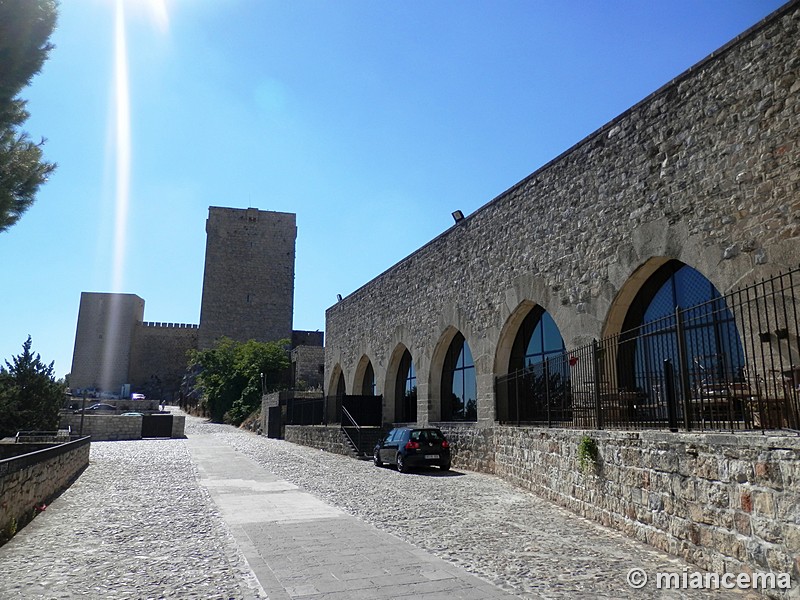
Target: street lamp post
[[83, 413]]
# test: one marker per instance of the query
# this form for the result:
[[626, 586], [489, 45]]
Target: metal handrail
[[349, 416], [59, 436], [357, 445]]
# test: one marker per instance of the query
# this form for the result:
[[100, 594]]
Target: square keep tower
[[248, 282]]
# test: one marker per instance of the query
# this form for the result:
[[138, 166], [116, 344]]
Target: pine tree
[[30, 396], [25, 28]]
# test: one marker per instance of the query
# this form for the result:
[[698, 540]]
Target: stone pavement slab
[[301, 547]]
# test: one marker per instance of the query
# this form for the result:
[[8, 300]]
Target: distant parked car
[[409, 447], [137, 397], [98, 408], [131, 414]]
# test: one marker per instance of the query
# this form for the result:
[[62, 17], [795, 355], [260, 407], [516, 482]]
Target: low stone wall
[[109, 428], [323, 437], [471, 446], [105, 427], [34, 479], [727, 503], [178, 426]]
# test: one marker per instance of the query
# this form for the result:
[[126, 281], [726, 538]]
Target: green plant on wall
[[9, 530], [587, 454]]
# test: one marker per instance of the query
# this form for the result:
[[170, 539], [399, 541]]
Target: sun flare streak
[[122, 176], [122, 146], [158, 9]]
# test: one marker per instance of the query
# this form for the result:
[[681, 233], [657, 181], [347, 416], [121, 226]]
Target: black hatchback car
[[409, 447]]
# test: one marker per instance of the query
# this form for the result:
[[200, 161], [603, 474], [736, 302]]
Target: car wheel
[[376, 458], [445, 467], [401, 464]]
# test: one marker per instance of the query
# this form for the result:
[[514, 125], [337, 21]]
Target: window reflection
[[368, 388], [538, 338], [537, 389], [713, 349], [406, 390], [339, 386], [459, 385]]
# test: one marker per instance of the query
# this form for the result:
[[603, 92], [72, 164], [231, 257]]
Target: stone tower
[[248, 282], [103, 341]]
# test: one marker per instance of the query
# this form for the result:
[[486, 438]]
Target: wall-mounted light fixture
[[458, 216], [338, 297]]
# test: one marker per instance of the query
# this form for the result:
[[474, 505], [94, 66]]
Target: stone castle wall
[[248, 282], [104, 428], [248, 293], [159, 357], [704, 171], [308, 367]]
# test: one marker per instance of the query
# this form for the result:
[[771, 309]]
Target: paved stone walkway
[[227, 514], [301, 547]]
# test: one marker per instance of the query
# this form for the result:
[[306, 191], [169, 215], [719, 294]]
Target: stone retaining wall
[[727, 503], [34, 479], [178, 426], [104, 428], [323, 437]]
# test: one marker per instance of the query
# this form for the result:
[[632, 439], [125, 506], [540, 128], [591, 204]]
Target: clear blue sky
[[372, 120]]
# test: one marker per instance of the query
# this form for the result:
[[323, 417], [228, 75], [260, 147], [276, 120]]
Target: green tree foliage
[[230, 375], [25, 28], [30, 396]]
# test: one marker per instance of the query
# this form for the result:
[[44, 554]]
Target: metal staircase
[[360, 440]]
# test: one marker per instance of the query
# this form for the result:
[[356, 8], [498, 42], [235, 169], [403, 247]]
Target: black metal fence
[[364, 410], [730, 363], [305, 411]]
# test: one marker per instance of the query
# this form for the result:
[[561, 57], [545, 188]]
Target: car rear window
[[394, 435], [427, 435]]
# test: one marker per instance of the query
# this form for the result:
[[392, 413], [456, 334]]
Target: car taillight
[[445, 444], [412, 446]]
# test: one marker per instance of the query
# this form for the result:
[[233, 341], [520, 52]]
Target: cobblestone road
[[519, 542], [135, 524], [138, 524]]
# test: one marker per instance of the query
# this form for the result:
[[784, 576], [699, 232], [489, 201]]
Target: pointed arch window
[[536, 388], [459, 384], [406, 390], [538, 338], [369, 388], [713, 349], [339, 387]]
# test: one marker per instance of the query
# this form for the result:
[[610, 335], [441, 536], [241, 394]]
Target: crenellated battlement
[[169, 325]]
